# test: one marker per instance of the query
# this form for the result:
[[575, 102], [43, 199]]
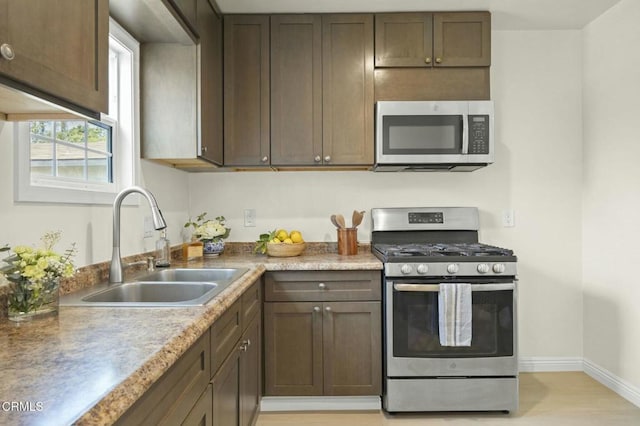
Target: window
[[68, 159]]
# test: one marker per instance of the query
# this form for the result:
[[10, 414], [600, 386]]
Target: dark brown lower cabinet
[[202, 413], [322, 348], [236, 385]]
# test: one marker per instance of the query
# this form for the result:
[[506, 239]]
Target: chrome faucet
[[115, 270]]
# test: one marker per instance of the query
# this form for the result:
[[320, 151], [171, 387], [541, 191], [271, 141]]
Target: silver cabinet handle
[[322, 285], [328, 309], [243, 348], [327, 158], [317, 158], [204, 149], [7, 51], [316, 309], [265, 159]]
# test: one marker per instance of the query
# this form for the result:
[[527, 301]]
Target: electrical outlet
[[508, 218], [148, 227], [250, 217]]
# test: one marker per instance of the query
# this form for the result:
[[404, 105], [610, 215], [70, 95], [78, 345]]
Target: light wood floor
[[547, 399]]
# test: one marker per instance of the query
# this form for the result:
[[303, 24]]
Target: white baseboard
[[608, 379], [320, 403], [613, 382], [541, 364]]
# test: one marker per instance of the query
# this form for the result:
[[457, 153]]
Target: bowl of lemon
[[281, 243]]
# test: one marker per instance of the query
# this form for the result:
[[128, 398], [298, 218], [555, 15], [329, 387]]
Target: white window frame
[[125, 137]]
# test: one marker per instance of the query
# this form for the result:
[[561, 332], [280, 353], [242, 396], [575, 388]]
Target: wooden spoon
[[340, 221], [334, 221], [356, 218]]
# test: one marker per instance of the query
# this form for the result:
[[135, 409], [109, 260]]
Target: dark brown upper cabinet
[[246, 90], [445, 39], [322, 90], [57, 51], [296, 90]]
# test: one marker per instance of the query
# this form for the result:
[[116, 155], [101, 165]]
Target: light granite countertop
[[88, 365]]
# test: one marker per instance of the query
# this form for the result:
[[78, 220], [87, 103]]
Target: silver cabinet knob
[[265, 159], [328, 309], [242, 348], [327, 158], [204, 149], [247, 342], [317, 158], [322, 285], [316, 309], [7, 51]]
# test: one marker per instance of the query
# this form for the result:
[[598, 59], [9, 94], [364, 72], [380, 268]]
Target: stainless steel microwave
[[434, 135]]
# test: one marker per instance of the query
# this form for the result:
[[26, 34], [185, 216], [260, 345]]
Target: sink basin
[[152, 292], [194, 275], [168, 287]]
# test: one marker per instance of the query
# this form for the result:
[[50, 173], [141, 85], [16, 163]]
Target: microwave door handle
[[465, 134], [434, 288]]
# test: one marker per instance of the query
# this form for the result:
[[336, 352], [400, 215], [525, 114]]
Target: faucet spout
[[115, 270]]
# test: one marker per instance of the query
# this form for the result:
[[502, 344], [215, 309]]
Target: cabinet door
[[226, 392], [61, 49], [352, 348], [296, 90], [246, 90], [210, 74], [250, 373], [202, 412], [293, 348], [462, 39], [404, 39], [347, 83]]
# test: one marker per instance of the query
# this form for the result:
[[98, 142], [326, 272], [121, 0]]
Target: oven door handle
[[435, 287]]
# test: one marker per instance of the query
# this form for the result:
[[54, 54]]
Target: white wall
[[611, 197], [536, 85], [90, 227]]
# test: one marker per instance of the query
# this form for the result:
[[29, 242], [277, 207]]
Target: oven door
[[412, 338]]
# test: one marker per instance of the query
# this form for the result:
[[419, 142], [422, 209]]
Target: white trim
[[541, 364], [320, 403], [620, 386]]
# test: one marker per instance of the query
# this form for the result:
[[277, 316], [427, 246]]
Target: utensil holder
[[348, 241]]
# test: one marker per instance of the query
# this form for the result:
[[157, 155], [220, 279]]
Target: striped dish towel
[[454, 308]]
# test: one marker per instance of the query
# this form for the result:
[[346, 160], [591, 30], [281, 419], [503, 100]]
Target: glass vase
[[31, 300]]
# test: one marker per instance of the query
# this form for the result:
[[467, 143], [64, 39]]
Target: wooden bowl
[[285, 250]]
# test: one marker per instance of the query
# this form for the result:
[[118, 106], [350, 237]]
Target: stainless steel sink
[[194, 275], [169, 287], [152, 292]]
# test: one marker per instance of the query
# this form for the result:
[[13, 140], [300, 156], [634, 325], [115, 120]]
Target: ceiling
[[506, 14]]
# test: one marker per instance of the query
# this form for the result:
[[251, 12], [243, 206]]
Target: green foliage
[[263, 240]]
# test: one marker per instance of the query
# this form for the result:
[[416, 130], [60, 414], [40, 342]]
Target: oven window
[[422, 134], [415, 326]]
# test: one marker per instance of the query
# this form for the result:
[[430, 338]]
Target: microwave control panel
[[478, 134]]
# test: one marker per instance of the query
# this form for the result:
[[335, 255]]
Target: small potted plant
[[35, 274], [211, 232]]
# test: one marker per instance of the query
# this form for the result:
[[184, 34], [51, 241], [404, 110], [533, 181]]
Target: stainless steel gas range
[[425, 252]]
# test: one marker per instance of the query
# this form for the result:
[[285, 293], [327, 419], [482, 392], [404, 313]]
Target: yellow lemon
[[288, 241], [282, 234], [275, 241], [296, 237]]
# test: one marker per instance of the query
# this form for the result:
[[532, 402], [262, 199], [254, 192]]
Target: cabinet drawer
[[292, 286], [251, 302], [225, 333], [171, 398]]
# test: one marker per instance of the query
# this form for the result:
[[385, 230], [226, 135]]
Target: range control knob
[[452, 268], [483, 268], [406, 269], [498, 268], [423, 269]]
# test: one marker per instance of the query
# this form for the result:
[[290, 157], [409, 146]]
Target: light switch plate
[[148, 227], [508, 218], [250, 217]]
